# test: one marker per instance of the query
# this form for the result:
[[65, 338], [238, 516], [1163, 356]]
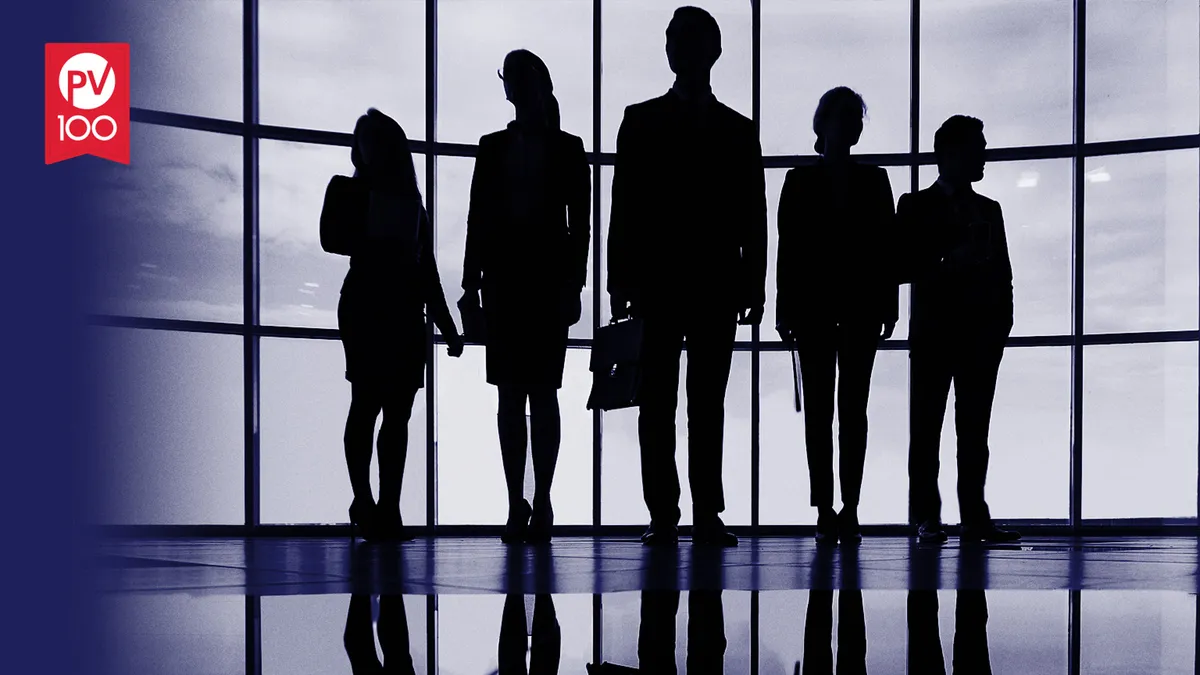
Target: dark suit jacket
[[689, 212], [836, 264], [956, 292], [552, 251]]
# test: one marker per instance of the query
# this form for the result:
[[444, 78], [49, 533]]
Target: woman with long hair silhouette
[[393, 279], [526, 263], [837, 299]]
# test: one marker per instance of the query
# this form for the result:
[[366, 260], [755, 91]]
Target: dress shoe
[[661, 535], [713, 533], [849, 530], [989, 534], [827, 526], [932, 532]]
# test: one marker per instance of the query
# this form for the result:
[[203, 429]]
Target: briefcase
[[616, 366]]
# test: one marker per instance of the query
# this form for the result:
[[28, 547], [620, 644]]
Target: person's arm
[[474, 252], [890, 299], [622, 253], [1000, 254], [914, 261], [579, 215], [787, 257], [435, 296], [754, 243]]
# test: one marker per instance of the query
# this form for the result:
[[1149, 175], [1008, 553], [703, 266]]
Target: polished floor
[[276, 566], [774, 605]]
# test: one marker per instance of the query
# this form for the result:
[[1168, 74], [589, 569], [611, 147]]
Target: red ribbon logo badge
[[87, 101]]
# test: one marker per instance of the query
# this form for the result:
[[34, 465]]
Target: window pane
[[811, 47], [453, 202], [1137, 631], [900, 180], [173, 245], [473, 38], [303, 417], [303, 633], [172, 414], [1143, 69], [635, 57], [470, 473], [1142, 269], [783, 473], [322, 63], [622, 502], [185, 55], [1139, 431], [623, 618], [1009, 63], [301, 283], [1036, 200], [147, 634]]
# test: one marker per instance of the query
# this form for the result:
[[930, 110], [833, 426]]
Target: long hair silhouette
[[529, 77]]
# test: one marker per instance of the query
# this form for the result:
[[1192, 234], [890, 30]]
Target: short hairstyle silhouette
[[831, 102], [694, 23], [954, 133]]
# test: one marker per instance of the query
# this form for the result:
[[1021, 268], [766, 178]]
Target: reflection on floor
[[776, 632], [586, 565], [777, 606]]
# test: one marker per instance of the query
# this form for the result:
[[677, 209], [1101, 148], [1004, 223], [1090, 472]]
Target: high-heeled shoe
[[362, 519], [390, 527], [540, 524], [518, 523]]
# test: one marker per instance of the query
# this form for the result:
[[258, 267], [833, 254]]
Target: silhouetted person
[[818, 634], [381, 317], [837, 297], [962, 312], [527, 249], [971, 656], [687, 253], [705, 639], [359, 638], [545, 645]]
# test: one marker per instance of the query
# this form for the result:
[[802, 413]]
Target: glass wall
[[219, 306]]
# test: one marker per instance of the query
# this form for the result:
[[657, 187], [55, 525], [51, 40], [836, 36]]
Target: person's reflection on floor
[[818, 634], [359, 639], [705, 632], [971, 655], [545, 645]]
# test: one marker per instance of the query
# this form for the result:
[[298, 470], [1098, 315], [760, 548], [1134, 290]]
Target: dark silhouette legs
[[546, 648], [973, 369], [545, 432], [393, 637], [818, 634], [705, 632], [822, 354], [970, 634], [366, 402], [710, 355]]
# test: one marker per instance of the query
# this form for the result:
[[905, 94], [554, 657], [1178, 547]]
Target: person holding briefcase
[[393, 278]]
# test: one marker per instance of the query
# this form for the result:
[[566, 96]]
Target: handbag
[[354, 215], [616, 366], [344, 215]]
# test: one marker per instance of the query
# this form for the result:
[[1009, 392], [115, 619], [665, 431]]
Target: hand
[[620, 306], [469, 299], [786, 334], [752, 316], [454, 345], [888, 329], [570, 305]]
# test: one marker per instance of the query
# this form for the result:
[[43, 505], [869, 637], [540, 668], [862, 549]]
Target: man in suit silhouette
[[687, 250], [957, 260]]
